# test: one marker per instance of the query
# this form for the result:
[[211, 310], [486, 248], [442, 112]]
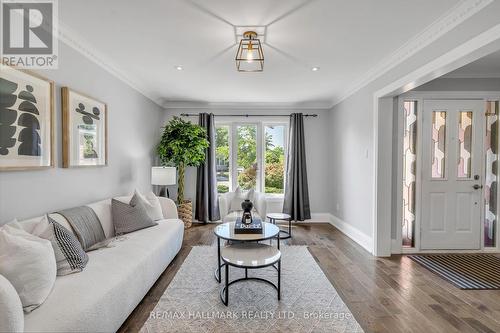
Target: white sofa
[[228, 215], [115, 280]]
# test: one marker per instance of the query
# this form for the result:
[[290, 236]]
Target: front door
[[452, 151]]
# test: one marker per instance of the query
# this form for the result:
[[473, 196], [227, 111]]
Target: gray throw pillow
[[130, 217], [70, 256]]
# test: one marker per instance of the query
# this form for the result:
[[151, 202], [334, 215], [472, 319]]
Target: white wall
[[316, 130], [352, 128], [133, 133]]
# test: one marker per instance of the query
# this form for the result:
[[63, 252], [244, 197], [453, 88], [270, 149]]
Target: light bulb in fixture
[[249, 57], [179, 67], [315, 69], [250, 52]]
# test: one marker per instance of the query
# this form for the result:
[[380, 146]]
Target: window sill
[[274, 198]]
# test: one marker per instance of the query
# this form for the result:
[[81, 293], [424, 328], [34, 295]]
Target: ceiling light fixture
[[250, 57], [315, 69], [179, 67]]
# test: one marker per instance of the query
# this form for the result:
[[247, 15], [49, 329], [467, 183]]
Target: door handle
[[477, 187]]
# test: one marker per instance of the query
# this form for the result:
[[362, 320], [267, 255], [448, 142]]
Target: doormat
[[465, 271]]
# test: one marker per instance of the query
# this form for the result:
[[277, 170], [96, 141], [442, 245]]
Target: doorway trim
[[419, 97], [477, 47]]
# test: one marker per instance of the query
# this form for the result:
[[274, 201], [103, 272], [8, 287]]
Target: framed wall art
[[26, 120], [84, 130]]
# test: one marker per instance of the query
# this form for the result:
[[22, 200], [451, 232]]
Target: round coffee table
[[250, 256], [283, 217], [226, 231]]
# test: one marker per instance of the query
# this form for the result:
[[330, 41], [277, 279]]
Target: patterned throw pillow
[[70, 256], [130, 217]]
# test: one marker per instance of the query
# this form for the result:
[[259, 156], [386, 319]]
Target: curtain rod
[[247, 115]]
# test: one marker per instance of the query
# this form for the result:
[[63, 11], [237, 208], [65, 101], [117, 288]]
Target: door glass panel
[[464, 144], [409, 172], [246, 136], [491, 173], [438, 147], [274, 159]]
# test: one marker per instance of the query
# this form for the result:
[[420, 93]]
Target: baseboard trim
[[319, 218], [396, 247], [353, 233]]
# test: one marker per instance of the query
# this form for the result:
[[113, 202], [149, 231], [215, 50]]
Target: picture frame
[[85, 130], [26, 120]]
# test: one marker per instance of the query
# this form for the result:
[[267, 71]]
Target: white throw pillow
[[14, 224], [11, 309], [28, 262], [152, 205], [42, 225], [239, 197]]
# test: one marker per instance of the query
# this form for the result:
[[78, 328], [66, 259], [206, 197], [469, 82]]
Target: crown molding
[[76, 42], [452, 18], [246, 105], [471, 76]]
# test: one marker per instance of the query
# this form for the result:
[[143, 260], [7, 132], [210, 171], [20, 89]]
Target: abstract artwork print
[[84, 130], [26, 115]]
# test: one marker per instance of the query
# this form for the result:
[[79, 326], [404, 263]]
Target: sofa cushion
[[130, 217], [11, 309], [103, 211], [114, 282], [69, 254], [240, 196], [42, 224], [28, 262], [151, 203]]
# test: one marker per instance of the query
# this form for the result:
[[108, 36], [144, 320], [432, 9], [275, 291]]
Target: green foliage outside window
[[246, 137]]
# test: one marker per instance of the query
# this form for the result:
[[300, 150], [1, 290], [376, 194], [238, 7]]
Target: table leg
[[290, 227], [227, 284], [279, 279], [218, 257], [278, 240]]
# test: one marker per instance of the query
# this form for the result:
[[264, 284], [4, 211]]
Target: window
[[491, 173], [222, 157], [409, 172], [274, 171], [251, 155], [247, 165], [438, 144]]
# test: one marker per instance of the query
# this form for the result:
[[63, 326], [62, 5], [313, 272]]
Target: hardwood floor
[[384, 294]]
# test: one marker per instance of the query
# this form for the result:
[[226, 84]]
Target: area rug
[[309, 303], [465, 271]]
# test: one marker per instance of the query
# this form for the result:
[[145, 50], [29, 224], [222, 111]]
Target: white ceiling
[[145, 40], [486, 67]]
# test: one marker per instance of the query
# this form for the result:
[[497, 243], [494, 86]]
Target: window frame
[[232, 123]]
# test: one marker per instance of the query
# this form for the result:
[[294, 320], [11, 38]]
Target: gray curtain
[[207, 204], [296, 202]]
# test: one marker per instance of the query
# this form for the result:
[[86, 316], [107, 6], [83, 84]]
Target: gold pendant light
[[250, 57]]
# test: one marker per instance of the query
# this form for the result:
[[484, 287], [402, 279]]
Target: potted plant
[[183, 144]]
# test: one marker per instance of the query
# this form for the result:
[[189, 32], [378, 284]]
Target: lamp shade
[[163, 175]]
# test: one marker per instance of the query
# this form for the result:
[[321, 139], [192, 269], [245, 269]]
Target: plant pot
[[185, 211]]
